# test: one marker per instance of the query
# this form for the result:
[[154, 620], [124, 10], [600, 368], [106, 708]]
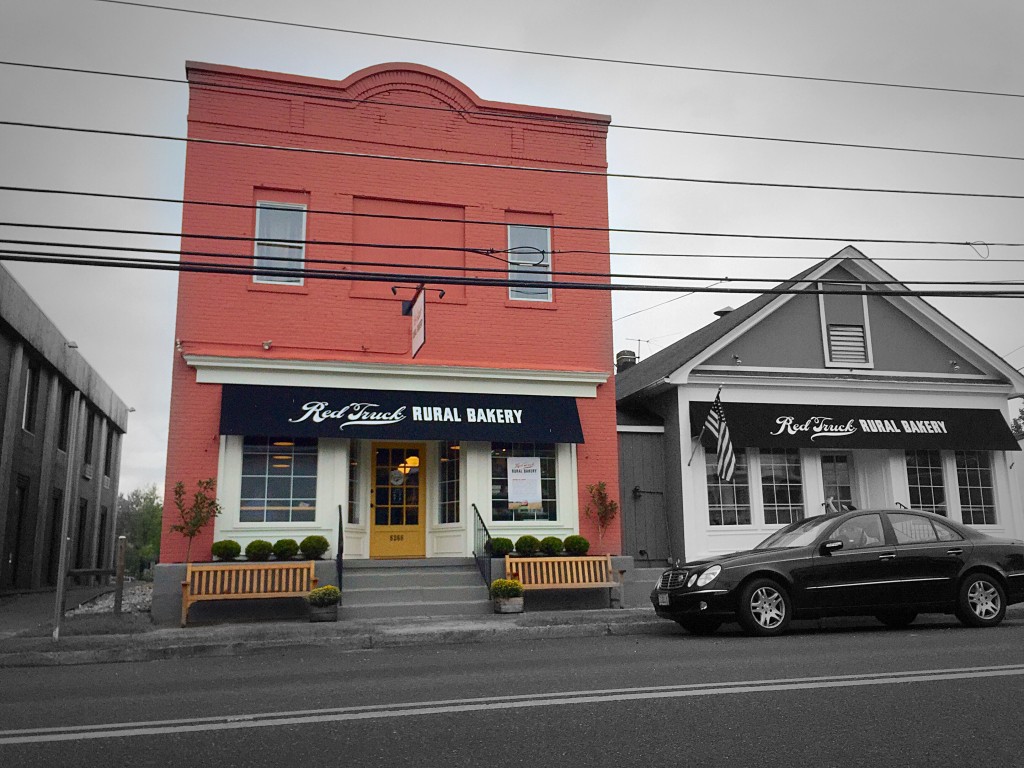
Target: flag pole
[[703, 426]]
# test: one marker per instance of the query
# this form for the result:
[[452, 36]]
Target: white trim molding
[[211, 369]]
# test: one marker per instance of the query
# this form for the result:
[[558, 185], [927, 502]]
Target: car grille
[[672, 580]]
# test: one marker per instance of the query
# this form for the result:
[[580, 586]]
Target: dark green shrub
[[527, 546], [286, 549], [259, 550], [501, 547], [313, 547], [506, 588], [226, 549], [551, 546], [326, 595], [576, 545]]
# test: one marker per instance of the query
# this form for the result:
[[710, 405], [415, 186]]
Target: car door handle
[[887, 556], [954, 551]]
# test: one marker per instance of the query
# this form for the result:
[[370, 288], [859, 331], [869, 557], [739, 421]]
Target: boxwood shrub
[[259, 550], [501, 546], [313, 547], [286, 549], [527, 545], [226, 549], [551, 546], [576, 545]]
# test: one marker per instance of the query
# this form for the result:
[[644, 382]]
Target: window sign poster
[[524, 483]]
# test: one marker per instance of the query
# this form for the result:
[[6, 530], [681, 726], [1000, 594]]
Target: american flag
[[717, 426]]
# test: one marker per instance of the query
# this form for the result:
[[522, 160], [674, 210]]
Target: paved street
[[849, 694]]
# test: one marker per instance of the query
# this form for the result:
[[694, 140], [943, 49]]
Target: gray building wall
[[34, 462]]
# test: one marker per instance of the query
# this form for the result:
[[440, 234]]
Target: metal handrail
[[481, 546]]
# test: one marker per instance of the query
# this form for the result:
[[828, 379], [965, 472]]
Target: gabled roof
[[652, 372]]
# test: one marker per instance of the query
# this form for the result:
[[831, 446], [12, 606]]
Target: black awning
[[397, 415], [775, 425]]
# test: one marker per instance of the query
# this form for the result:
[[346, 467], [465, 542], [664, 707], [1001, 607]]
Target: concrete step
[[412, 594], [422, 587], [433, 577], [391, 610]]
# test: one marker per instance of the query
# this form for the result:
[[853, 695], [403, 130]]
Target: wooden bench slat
[[584, 572]]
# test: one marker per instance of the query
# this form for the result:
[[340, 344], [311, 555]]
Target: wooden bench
[[583, 572], [243, 581]]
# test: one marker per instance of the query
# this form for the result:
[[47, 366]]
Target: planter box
[[323, 612], [508, 605]]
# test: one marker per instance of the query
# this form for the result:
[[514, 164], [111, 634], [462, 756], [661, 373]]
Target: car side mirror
[[830, 546]]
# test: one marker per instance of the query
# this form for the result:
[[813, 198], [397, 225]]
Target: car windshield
[[798, 534]]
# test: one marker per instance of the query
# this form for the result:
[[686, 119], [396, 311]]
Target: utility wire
[[564, 227], [493, 253], [53, 257], [557, 119], [572, 57], [517, 168], [465, 268], [554, 227]]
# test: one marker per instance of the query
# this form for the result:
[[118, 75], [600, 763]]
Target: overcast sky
[[123, 320]]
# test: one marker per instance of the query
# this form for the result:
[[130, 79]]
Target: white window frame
[[299, 247], [519, 262]]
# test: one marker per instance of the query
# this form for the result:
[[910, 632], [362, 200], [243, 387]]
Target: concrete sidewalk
[[235, 639]]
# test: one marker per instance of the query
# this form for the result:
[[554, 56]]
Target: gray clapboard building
[[56, 410], [841, 390]]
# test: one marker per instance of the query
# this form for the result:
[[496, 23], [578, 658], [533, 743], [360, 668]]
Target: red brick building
[[301, 394]]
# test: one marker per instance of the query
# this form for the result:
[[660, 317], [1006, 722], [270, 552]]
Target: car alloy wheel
[[764, 608], [981, 602]]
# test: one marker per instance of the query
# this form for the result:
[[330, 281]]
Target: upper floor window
[[29, 413], [844, 326], [529, 258], [280, 232], [90, 426], [64, 427]]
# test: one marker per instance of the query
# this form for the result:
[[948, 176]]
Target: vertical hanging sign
[[419, 320]]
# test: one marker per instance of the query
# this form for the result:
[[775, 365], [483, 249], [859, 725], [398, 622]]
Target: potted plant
[[323, 603], [507, 595]]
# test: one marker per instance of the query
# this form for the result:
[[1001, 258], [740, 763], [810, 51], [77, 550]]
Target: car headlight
[[709, 575], [692, 579]]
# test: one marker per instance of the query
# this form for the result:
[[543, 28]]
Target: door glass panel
[[837, 479], [396, 492]]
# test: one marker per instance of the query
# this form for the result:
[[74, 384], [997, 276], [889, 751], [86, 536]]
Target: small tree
[[139, 516], [1017, 425], [194, 518], [601, 507]]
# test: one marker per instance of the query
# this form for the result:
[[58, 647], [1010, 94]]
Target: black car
[[892, 564]]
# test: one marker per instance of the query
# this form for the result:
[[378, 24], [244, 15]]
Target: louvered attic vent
[[847, 344]]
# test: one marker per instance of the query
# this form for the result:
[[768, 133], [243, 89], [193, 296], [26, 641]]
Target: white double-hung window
[[529, 258], [280, 232]]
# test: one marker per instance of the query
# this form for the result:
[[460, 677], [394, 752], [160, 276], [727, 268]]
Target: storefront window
[[782, 486], [924, 477], [448, 504], [278, 480], [728, 503], [531, 493], [977, 496]]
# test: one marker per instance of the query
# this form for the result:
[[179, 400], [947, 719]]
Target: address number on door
[[397, 537]]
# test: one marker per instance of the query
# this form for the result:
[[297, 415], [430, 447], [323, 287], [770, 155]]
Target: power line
[[558, 119], [554, 227], [464, 268], [572, 57], [52, 257], [516, 168]]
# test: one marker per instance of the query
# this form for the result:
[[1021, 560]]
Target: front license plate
[[662, 599]]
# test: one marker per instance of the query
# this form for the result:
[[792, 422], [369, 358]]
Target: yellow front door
[[397, 500]]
